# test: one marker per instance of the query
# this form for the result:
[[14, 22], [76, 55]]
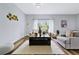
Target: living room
[[20, 20]]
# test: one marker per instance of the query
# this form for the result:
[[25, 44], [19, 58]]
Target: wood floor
[[67, 52]]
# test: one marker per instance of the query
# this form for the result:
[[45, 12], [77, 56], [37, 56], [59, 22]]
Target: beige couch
[[5, 47]]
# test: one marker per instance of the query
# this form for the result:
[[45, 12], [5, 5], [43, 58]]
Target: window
[[44, 24]]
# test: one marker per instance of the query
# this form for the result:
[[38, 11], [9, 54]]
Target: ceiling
[[49, 8]]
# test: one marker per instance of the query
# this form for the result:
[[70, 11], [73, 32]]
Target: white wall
[[77, 22], [11, 31], [29, 24], [70, 23], [57, 21]]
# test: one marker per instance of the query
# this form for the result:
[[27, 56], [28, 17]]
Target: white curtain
[[49, 22]]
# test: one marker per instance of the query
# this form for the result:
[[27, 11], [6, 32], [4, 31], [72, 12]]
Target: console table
[[39, 40]]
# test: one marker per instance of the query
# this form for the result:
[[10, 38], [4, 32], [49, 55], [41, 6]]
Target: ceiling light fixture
[[38, 5]]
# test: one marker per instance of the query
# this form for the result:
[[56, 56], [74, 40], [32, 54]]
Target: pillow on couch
[[74, 34]]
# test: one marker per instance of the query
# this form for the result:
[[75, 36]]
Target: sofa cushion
[[5, 48], [64, 39]]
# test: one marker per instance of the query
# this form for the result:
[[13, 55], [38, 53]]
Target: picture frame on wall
[[63, 23]]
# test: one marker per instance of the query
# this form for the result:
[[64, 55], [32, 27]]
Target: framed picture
[[63, 23]]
